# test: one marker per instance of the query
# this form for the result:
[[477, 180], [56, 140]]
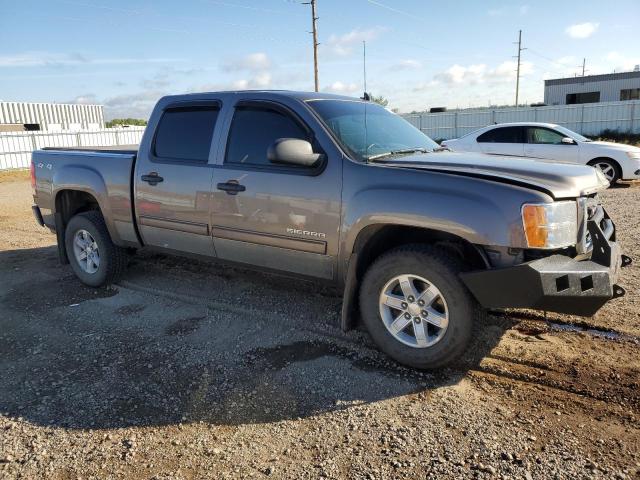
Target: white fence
[[16, 147], [587, 119]]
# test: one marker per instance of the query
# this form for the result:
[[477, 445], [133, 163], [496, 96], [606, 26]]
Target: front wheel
[[94, 258], [609, 168], [416, 308]]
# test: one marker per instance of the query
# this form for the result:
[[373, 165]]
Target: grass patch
[[17, 175]]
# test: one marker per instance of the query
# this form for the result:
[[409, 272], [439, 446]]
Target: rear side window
[[254, 129], [184, 134], [503, 135]]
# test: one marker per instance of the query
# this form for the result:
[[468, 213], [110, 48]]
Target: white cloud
[[459, 74], [480, 73], [251, 62], [343, 45], [46, 59], [582, 30], [340, 87], [619, 62], [406, 64], [259, 81]]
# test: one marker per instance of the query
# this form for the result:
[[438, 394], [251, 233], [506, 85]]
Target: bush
[[616, 136]]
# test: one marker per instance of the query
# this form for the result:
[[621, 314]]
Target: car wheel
[[416, 308], [94, 258], [609, 168]]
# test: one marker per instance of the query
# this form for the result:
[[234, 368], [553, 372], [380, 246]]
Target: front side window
[[184, 134], [544, 136], [367, 130], [254, 129], [502, 135]]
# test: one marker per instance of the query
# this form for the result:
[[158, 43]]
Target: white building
[[50, 117], [610, 87]]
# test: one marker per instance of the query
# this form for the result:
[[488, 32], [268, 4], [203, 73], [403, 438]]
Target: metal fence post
[[78, 143], [117, 137], [633, 113], [582, 120], [455, 125]]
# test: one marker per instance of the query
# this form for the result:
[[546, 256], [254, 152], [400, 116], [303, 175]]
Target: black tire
[[440, 268], [613, 164], [113, 259]]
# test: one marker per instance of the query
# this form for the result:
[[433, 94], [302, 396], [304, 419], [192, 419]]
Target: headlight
[[550, 225], [633, 155]]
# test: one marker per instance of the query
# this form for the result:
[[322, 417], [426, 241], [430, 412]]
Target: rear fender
[[85, 179]]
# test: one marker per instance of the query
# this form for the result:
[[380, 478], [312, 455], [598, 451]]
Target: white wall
[[587, 119], [16, 147]]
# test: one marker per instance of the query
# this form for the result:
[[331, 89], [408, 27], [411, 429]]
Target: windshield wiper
[[398, 152]]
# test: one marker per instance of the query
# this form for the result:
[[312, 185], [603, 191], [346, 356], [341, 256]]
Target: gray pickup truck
[[339, 189]]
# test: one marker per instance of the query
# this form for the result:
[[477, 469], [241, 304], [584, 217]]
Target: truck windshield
[[369, 131]]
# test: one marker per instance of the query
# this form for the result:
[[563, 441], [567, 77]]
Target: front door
[[173, 180], [275, 216]]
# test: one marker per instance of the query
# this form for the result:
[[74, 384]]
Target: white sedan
[[552, 142]]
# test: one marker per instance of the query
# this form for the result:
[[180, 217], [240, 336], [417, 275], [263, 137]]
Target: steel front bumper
[[556, 283]]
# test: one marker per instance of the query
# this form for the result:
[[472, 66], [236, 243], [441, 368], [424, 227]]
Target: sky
[[126, 54]]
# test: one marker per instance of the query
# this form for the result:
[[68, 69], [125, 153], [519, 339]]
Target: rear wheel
[[94, 258], [609, 168], [416, 308]]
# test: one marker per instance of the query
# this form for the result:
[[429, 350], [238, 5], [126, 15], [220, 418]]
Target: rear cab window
[[184, 134], [503, 135]]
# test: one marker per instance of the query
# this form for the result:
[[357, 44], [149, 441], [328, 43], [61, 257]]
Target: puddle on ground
[[600, 333]]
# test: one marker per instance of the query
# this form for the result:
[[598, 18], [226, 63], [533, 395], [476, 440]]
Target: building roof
[[592, 78]]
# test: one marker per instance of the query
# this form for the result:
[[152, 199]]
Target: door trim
[[177, 225], [269, 239]]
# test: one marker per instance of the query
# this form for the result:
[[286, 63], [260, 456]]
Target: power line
[[392, 9]]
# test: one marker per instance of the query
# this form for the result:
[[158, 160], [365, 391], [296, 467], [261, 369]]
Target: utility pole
[[584, 64], [314, 32], [518, 71]]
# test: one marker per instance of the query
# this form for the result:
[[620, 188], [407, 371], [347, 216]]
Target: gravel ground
[[187, 370]]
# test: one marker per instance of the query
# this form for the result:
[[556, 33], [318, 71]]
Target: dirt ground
[[188, 370]]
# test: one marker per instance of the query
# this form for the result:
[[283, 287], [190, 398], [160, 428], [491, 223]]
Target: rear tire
[[94, 258], [609, 168], [432, 273]]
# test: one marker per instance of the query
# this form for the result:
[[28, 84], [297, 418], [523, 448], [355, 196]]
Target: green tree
[[126, 121]]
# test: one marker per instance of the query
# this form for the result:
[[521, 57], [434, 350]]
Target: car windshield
[[571, 134], [369, 131]]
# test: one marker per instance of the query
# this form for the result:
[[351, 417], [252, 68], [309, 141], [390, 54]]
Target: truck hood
[[560, 180]]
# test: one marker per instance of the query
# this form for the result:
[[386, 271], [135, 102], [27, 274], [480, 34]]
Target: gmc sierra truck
[[339, 189]]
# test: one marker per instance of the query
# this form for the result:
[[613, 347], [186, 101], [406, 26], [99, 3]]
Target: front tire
[[94, 258], [609, 168], [416, 308]]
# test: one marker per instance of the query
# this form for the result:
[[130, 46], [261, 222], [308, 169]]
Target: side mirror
[[293, 151], [568, 141]]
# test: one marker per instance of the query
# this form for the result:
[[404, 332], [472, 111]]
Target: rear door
[[275, 216], [546, 143], [503, 141], [173, 179]]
